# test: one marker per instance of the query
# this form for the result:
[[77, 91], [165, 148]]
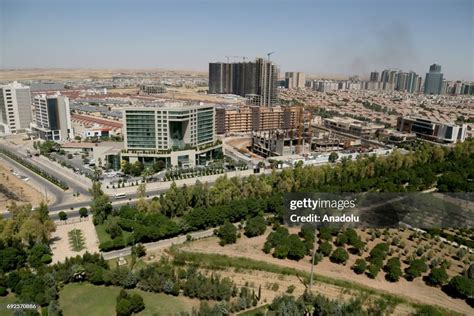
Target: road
[[41, 184]]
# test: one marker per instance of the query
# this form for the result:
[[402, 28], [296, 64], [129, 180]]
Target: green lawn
[[4, 300], [104, 236], [85, 299]]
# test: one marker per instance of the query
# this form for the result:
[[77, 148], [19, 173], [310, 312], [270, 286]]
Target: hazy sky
[[316, 37]]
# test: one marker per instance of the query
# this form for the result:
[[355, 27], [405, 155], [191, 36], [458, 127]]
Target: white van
[[120, 196]]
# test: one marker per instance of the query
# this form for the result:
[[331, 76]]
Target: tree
[[255, 226], [159, 165], [461, 286], [100, 206], [83, 212], [416, 268], [393, 269], [373, 271], [62, 216], [325, 248], [227, 233], [437, 277], [297, 248], [28, 226], [359, 266], [39, 255], [333, 156], [138, 250], [339, 255]]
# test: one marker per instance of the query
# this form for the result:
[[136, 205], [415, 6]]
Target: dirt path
[[415, 291]]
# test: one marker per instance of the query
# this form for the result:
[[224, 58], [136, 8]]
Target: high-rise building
[[15, 108], [389, 79], [434, 80], [374, 76], [295, 80], [52, 117], [255, 80], [412, 80], [402, 79], [179, 134]]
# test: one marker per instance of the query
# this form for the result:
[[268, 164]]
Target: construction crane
[[268, 55]]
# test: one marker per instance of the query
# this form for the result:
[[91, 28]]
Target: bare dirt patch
[[61, 246]]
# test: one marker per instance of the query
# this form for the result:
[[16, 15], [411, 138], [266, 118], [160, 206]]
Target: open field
[[64, 74], [85, 299], [415, 291]]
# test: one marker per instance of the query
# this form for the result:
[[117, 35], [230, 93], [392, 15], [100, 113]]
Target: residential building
[[434, 80], [432, 130], [245, 119], [374, 76], [257, 81], [295, 80], [179, 134], [15, 108], [52, 117], [152, 89]]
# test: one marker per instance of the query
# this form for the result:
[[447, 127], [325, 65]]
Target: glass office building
[[178, 133]]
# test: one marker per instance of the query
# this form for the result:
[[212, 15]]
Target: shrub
[[281, 251], [359, 266], [255, 226], [83, 212], [393, 269], [227, 233], [297, 248], [437, 277], [461, 286], [325, 248], [62, 216], [339, 255], [373, 271], [416, 268], [290, 289]]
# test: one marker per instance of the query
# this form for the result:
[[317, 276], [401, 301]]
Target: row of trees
[[235, 199]]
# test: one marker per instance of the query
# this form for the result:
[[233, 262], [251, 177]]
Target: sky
[[323, 38]]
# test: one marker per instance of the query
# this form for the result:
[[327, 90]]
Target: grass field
[[4, 300], [85, 299], [104, 236]]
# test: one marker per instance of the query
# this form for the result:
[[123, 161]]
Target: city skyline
[[307, 36]]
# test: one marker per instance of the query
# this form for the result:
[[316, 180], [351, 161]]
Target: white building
[[52, 117], [15, 108]]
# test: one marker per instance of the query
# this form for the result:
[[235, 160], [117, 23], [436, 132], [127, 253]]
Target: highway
[[40, 183]]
